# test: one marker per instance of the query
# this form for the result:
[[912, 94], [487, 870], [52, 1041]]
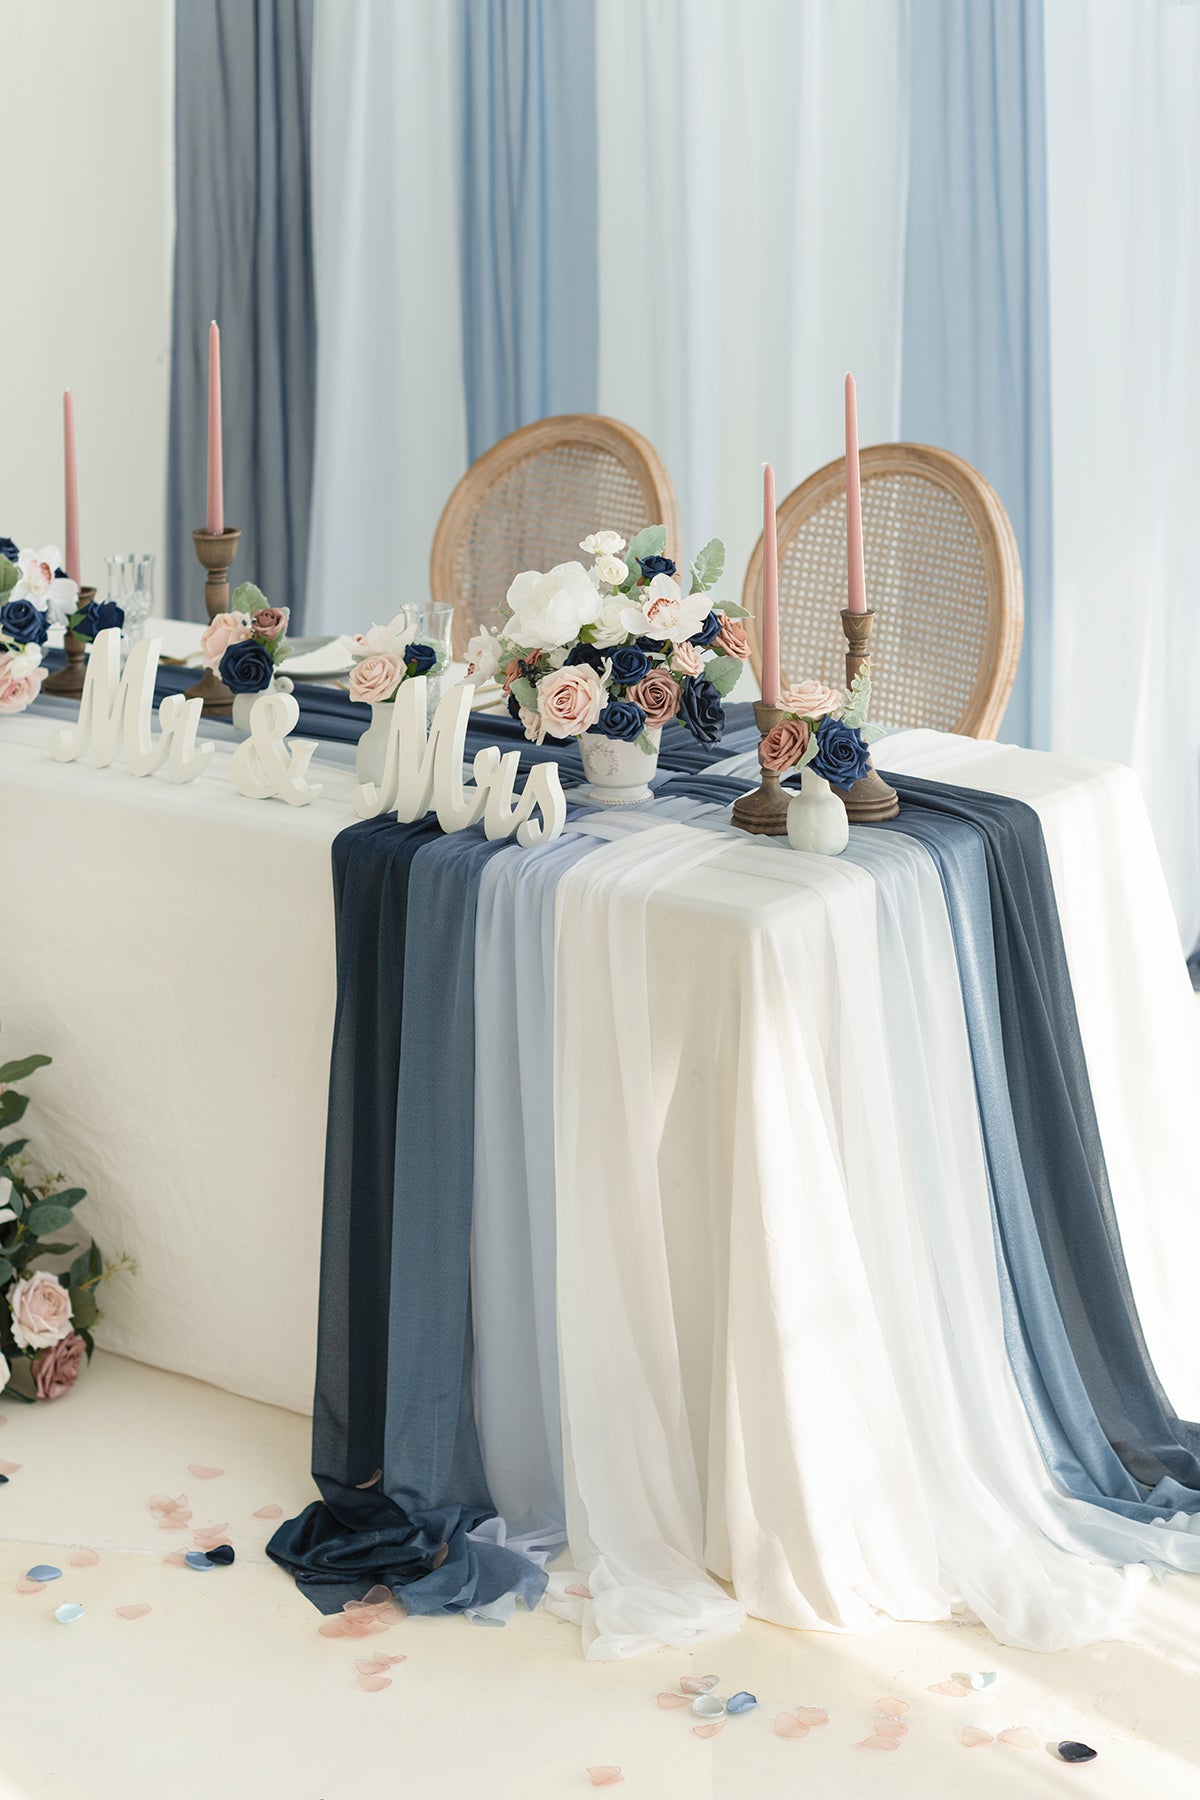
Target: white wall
[[86, 200]]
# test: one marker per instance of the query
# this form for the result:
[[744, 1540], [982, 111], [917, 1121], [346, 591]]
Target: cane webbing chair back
[[527, 502], [943, 577]]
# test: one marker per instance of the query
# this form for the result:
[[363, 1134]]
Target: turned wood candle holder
[[870, 799], [216, 550], [68, 681], [764, 812]]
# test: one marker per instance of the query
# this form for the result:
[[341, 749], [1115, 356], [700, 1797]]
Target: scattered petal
[[197, 1559], [68, 1612], [577, 1591], [378, 1596], [891, 1728], [892, 1708], [132, 1612], [875, 1742], [25, 1586], [377, 1476], [668, 1701], [956, 1689], [7, 1469], [741, 1702], [698, 1684], [84, 1559], [979, 1679], [333, 1628], [972, 1737], [787, 1725], [177, 1558], [605, 1775], [221, 1553], [375, 1665], [1020, 1737], [176, 1521], [1072, 1751], [373, 1684], [267, 1512], [811, 1715], [708, 1706], [43, 1572], [707, 1731], [203, 1474]]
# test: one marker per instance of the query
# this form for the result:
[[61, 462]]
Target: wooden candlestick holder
[[68, 681], [216, 550], [870, 799], [764, 812]]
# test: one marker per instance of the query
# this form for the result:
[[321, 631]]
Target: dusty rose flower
[[687, 660], [658, 696], [811, 700], [570, 700], [17, 691], [512, 670], [227, 628], [270, 621], [732, 639], [41, 1311], [784, 745], [55, 1370], [375, 678]]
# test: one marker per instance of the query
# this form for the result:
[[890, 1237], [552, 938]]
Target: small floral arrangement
[[385, 657], [245, 645], [822, 730], [34, 594], [618, 649], [46, 1319]]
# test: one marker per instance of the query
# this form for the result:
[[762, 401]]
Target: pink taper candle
[[770, 593], [72, 486], [215, 515], [856, 580]]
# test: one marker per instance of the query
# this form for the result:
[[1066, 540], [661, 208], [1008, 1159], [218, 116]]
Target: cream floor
[[225, 1689]]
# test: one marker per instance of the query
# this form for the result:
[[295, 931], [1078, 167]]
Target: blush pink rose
[[687, 660], [270, 622], [41, 1311], [227, 628], [375, 679], [811, 700], [658, 696], [732, 638], [784, 745], [19, 691], [534, 728], [56, 1370], [570, 700]]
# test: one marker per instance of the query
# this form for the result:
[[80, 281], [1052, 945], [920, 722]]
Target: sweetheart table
[[749, 1324]]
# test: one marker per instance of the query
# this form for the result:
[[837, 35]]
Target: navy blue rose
[[21, 622], [629, 664], [98, 616], [9, 549], [247, 668], [584, 653], [701, 709], [622, 720], [419, 658], [656, 565], [842, 757], [654, 645], [707, 632]]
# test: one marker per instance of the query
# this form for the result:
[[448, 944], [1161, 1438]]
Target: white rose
[[41, 1311], [22, 662], [603, 543], [5, 1372], [610, 627], [551, 609], [612, 570], [483, 655], [665, 612]]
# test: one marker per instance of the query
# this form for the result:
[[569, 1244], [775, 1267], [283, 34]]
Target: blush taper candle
[[72, 488], [214, 518], [770, 593], [856, 581]]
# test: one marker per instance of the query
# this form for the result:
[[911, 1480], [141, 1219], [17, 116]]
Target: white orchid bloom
[[483, 655], [52, 593], [603, 543], [666, 613], [551, 610]]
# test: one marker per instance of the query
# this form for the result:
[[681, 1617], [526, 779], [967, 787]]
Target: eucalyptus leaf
[[526, 693], [6, 1271], [9, 575], [646, 742], [12, 1107], [81, 1269], [24, 1067], [723, 672], [45, 1216], [247, 598], [83, 1308], [732, 610], [870, 733], [54, 1249], [10, 1151], [810, 750], [650, 542], [67, 1197], [708, 567]]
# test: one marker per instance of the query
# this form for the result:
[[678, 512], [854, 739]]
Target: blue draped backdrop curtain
[[243, 256], [696, 215]]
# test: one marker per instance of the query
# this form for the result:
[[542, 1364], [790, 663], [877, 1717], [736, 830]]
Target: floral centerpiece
[[824, 735], [34, 594], [613, 653], [385, 657], [245, 646], [46, 1317]]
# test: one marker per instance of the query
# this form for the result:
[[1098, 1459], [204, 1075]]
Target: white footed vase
[[618, 773], [243, 704], [371, 755], [816, 818]]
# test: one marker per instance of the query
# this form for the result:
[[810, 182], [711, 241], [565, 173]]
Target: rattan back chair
[[527, 502], [943, 575]]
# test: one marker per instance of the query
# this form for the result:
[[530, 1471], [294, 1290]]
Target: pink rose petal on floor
[[707, 1731], [954, 1688], [371, 1665], [177, 1558], [891, 1707], [334, 1628], [811, 1715], [132, 1612], [1020, 1737], [787, 1725], [875, 1742], [175, 1522], [577, 1591], [698, 1684], [377, 1476], [378, 1596], [84, 1559], [27, 1586], [373, 1684], [604, 1775], [891, 1728], [668, 1701], [972, 1737], [7, 1468], [267, 1512], [202, 1473]]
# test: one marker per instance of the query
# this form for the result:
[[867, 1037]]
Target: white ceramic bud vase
[[619, 773], [243, 704], [816, 818], [372, 745]]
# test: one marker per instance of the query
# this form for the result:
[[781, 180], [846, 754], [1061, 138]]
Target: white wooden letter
[[264, 767]]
